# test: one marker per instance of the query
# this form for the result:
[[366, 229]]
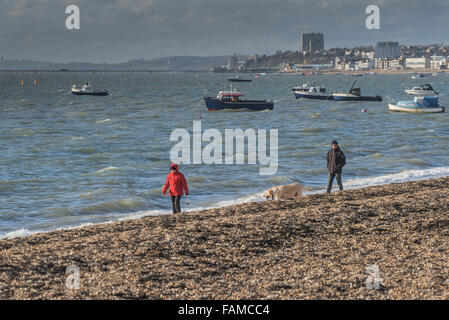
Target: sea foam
[[403, 176]]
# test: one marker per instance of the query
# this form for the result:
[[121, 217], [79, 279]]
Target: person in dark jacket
[[335, 163], [177, 185]]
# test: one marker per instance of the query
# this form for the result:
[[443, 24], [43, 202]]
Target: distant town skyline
[[114, 31]]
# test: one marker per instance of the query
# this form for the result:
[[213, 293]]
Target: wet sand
[[315, 247]]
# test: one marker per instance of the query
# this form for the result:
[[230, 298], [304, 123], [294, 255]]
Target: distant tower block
[[387, 50], [312, 42]]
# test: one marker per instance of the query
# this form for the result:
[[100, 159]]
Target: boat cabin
[[355, 91], [229, 96], [87, 86]]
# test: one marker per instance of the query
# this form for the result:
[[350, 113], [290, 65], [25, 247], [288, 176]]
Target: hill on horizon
[[174, 63]]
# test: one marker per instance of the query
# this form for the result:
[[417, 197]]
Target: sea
[[68, 161]]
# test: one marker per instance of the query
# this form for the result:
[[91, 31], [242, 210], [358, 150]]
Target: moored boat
[[306, 88], [87, 90], [231, 100], [418, 105], [421, 75], [425, 90], [317, 93], [239, 79], [354, 94]]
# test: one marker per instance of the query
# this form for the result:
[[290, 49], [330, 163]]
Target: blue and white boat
[[231, 100], [317, 93], [418, 105]]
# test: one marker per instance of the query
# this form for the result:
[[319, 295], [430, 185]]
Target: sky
[[114, 31]]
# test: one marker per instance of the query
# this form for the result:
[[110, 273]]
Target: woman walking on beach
[[335, 163], [177, 185]]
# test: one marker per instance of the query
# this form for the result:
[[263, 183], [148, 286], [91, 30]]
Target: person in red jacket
[[177, 185]]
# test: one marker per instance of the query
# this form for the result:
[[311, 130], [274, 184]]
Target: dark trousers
[[331, 181], [176, 203]]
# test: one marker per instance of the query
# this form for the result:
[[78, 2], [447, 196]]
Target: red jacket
[[177, 183]]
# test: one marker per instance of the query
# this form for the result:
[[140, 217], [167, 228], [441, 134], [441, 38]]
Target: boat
[[306, 88], [238, 79], [425, 90], [87, 90], [421, 75], [231, 100], [314, 93], [354, 94], [420, 104]]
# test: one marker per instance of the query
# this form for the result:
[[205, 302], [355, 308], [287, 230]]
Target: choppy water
[[67, 160]]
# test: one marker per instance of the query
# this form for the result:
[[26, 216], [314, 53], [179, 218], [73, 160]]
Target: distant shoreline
[[320, 72], [315, 247], [99, 71], [367, 72]]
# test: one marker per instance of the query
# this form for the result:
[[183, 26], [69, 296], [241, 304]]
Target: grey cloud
[[118, 30]]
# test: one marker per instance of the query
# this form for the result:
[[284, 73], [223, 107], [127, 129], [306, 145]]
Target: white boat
[[87, 90], [418, 105], [425, 90], [306, 88]]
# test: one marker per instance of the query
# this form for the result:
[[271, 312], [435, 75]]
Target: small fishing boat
[[425, 90], [231, 100], [354, 94], [418, 105], [238, 79], [306, 88], [87, 90], [317, 93]]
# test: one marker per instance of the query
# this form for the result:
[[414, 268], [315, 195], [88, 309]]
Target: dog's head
[[269, 194]]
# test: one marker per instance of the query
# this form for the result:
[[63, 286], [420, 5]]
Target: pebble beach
[[314, 247]]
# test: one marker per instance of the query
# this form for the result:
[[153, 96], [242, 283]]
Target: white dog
[[285, 192]]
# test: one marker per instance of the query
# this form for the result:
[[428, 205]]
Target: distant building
[[253, 58], [368, 55], [312, 42], [387, 50], [417, 63], [232, 62], [364, 65], [388, 64], [341, 63], [438, 62]]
